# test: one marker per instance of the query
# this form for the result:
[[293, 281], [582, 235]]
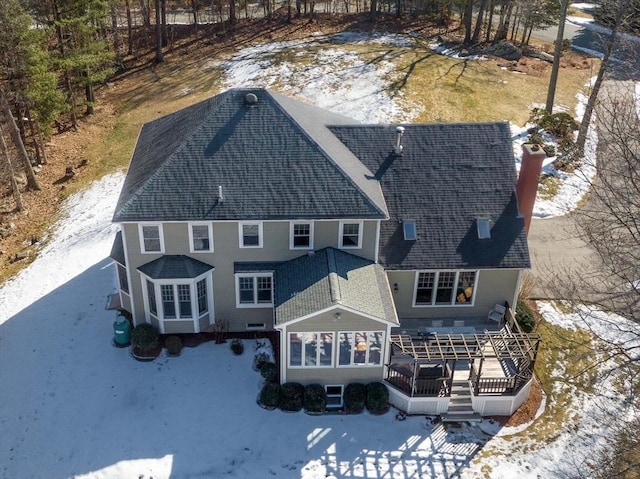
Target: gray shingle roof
[[274, 160], [448, 176], [174, 267], [117, 250], [331, 277]]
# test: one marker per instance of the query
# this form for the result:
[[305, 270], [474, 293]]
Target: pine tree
[[84, 55]]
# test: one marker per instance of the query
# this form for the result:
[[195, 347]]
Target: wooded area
[[53, 54]]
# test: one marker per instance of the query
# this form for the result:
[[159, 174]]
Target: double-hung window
[[201, 237], [151, 240], [445, 288], [203, 302], [360, 348], [350, 234], [254, 290], [301, 235], [250, 234], [176, 301], [122, 279], [311, 350]]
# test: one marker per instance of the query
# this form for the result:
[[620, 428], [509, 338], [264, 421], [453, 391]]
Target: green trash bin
[[121, 332]]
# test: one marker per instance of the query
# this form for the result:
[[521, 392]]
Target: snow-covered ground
[[72, 405]]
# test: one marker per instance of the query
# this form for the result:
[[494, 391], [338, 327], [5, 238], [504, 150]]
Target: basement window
[[484, 228]]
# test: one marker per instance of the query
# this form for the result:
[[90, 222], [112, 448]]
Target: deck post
[[413, 378], [476, 386]]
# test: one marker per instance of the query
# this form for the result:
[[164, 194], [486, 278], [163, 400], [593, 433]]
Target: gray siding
[[226, 252], [493, 286]]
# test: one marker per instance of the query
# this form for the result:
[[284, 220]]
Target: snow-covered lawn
[[72, 405]]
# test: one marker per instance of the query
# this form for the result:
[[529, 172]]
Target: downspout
[[517, 291]]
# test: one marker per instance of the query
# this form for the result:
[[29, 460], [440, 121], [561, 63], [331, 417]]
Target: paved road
[[626, 55]]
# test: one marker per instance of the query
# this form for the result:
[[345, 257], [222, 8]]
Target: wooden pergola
[[505, 349]]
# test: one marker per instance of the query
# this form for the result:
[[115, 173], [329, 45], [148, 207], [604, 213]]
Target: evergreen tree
[[25, 67], [84, 55]]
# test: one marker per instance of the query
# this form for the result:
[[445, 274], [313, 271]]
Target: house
[[377, 252]]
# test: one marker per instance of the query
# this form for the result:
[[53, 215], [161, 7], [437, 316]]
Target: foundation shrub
[[355, 397], [315, 398], [270, 395], [173, 345], [145, 337], [292, 397], [269, 371], [377, 398], [524, 317], [237, 346]]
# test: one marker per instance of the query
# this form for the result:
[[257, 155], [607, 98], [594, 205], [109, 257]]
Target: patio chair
[[497, 314]]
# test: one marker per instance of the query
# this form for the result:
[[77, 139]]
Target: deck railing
[[425, 387]]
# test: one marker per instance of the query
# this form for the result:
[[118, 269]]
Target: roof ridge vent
[[250, 99], [397, 149], [334, 282]]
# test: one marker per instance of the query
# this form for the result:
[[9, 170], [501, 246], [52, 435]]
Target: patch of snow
[[636, 98], [332, 78], [608, 326], [588, 51], [583, 6], [453, 53]]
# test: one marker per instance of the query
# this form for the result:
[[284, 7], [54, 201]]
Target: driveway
[[558, 253]]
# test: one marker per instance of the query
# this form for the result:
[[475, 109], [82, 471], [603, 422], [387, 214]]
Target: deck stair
[[460, 405]]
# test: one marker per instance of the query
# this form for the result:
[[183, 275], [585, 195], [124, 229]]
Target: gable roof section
[[330, 277], [447, 176], [274, 160]]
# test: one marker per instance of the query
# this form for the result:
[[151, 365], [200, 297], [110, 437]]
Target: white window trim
[[193, 289], [360, 224], [209, 228], [255, 303], [240, 235], [366, 364], [291, 237], [141, 235], [453, 304], [318, 365]]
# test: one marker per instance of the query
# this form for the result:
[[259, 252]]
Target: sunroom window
[[311, 349], [360, 348]]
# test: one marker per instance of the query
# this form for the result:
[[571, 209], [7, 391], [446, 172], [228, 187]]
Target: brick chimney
[[527, 186]]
